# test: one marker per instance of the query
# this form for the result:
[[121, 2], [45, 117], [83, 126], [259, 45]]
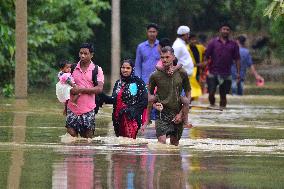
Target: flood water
[[240, 147]]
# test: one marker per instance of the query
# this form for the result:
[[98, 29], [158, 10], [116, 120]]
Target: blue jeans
[[237, 87]]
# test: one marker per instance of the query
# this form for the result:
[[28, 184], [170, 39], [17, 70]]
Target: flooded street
[[240, 147]]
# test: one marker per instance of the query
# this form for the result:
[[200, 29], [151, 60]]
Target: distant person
[[197, 52], [202, 38], [180, 49], [147, 54], [81, 117], [246, 62], [223, 52], [169, 88], [129, 99]]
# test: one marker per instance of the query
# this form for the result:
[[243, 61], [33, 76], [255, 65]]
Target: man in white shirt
[[180, 49]]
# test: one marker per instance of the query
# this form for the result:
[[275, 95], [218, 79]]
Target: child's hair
[[63, 63], [164, 42]]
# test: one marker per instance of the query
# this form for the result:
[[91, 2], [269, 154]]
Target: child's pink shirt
[[160, 64], [82, 79], [64, 77]]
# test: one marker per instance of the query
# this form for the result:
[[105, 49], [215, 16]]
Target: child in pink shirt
[[65, 84]]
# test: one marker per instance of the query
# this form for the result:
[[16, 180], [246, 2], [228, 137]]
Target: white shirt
[[183, 55]]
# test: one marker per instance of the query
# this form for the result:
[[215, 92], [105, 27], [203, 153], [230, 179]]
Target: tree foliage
[[57, 27], [7, 41], [275, 9], [54, 29]]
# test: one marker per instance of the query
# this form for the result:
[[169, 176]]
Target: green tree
[[275, 9], [55, 29], [7, 41]]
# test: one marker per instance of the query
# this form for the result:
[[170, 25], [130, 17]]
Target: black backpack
[[98, 99]]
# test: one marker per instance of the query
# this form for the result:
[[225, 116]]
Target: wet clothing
[[80, 123], [127, 127], [238, 87], [222, 56], [147, 57], [169, 89], [81, 116], [224, 83], [129, 101], [165, 125]]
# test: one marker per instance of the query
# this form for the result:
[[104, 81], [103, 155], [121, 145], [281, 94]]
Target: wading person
[[80, 117], [163, 43], [129, 99], [223, 52], [170, 120], [246, 62]]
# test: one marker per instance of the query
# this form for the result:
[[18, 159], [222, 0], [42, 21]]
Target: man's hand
[[259, 78], [238, 77], [178, 118], [143, 127], [75, 91], [64, 112], [151, 98]]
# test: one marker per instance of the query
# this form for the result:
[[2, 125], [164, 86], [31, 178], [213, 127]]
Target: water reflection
[[76, 171], [85, 169], [132, 170], [19, 133], [236, 148]]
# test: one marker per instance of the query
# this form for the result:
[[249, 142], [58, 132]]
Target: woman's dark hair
[[129, 60], [87, 46], [152, 25]]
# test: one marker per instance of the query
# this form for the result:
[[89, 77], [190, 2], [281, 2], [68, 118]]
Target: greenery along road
[[56, 28]]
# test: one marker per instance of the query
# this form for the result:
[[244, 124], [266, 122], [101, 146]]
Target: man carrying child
[[80, 117], [172, 118]]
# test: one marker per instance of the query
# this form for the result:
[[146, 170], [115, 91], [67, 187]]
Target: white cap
[[183, 30]]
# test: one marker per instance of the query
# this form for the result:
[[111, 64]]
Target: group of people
[[159, 85]]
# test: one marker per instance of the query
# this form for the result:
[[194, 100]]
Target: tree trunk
[[21, 50], [115, 42]]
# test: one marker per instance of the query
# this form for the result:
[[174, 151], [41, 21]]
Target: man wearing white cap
[[181, 51]]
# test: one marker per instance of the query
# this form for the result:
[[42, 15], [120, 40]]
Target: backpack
[[98, 99]]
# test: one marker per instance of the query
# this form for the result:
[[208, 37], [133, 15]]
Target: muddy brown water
[[240, 147]]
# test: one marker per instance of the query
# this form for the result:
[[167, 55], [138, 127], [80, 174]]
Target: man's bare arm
[[94, 90]]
